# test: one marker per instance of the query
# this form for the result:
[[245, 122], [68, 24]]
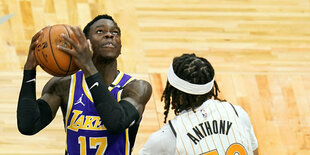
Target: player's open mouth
[[108, 45]]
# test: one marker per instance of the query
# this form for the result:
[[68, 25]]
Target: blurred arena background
[[260, 50]]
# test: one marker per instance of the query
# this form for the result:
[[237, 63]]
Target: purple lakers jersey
[[86, 134]]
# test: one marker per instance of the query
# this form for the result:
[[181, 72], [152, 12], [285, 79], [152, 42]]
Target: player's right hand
[[31, 62]]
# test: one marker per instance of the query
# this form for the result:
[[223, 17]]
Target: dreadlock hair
[[196, 70], [105, 16]]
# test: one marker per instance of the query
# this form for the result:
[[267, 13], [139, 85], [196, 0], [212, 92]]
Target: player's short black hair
[[105, 16], [196, 70]]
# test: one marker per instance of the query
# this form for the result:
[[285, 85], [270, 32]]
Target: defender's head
[[190, 83]]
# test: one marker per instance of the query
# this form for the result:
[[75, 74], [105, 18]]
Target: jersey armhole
[[234, 109], [172, 128]]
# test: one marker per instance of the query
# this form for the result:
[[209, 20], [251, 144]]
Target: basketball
[[49, 57]]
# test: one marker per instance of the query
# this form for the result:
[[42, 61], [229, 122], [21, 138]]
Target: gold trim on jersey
[[71, 97], [129, 80], [127, 143], [116, 80], [86, 89], [119, 93], [70, 103]]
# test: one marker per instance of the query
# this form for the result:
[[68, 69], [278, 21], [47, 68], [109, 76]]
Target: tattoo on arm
[[138, 93]]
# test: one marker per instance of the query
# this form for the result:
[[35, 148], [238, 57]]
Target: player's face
[[105, 38]]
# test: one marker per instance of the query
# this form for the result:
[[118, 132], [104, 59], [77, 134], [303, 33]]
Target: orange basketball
[[52, 60]]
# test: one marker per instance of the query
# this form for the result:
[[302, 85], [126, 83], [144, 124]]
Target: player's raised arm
[[32, 114]]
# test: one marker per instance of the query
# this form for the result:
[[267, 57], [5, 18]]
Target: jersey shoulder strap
[[172, 128], [234, 109]]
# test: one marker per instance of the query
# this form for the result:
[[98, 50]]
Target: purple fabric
[[79, 132]]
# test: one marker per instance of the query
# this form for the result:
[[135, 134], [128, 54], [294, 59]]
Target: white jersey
[[214, 128]]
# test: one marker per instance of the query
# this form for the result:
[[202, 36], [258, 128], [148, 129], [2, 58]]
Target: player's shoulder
[[164, 132], [140, 83], [140, 86], [61, 81], [239, 110], [216, 103], [57, 84], [135, 81], [233, 107], [226, 104], [156, 139], [243, 115]]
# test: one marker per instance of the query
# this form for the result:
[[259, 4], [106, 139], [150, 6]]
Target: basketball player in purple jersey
[[101, 105]]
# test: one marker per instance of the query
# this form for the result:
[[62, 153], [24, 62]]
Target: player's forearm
[[28, 89], [115, 116], [32, 115], [29, 65]]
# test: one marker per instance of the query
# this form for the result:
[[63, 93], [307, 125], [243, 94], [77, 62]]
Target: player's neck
[[107, 70]]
